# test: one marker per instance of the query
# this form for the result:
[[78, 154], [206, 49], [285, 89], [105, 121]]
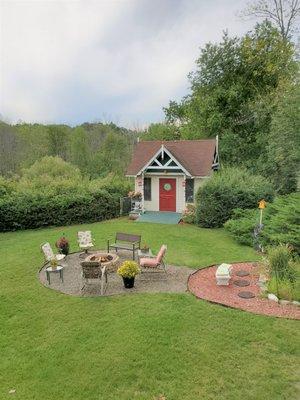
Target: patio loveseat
[[125, 241]]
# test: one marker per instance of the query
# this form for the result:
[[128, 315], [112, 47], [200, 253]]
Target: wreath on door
[[167, 187]]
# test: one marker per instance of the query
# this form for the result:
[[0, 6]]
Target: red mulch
[[203, 284]]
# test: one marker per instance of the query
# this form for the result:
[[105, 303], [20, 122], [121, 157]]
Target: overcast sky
[[121, 60]]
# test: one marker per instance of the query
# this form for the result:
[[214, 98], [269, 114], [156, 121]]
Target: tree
[[112, 156], [283, 148], [232, 81], [161, 131], [9, 149], [79, 153], [282, 13], [58, 137]]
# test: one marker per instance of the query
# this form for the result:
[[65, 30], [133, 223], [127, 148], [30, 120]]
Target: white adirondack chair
[[49, 254]]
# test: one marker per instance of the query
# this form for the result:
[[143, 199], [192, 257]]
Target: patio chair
[[85, 242], [155, 262], [93, 273], [49, 254]]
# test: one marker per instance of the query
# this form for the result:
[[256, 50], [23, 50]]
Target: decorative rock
[[241, 283], [296, 303], [12, 391], [242, 273], [272, 297], [284, 302], [246, 295]]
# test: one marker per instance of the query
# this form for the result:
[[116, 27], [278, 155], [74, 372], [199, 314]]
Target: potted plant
[[53, 263], [63, 245], [128, 270]]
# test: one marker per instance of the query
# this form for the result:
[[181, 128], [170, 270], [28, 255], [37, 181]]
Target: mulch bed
[[203, 285]]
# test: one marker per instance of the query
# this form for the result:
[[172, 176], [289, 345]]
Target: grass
[[55, 346]]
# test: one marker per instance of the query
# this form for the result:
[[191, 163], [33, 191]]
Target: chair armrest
[[103, 271]]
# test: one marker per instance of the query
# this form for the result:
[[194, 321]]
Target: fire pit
[[106, 259]]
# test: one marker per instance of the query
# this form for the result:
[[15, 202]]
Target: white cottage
[[169, 173]]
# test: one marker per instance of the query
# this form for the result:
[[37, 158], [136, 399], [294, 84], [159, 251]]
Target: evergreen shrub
[[227, 190]]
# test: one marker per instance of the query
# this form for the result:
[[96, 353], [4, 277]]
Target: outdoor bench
[[125, 241]]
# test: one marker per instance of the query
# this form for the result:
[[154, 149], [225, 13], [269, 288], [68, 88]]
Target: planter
[[64, 250], [128, 282]]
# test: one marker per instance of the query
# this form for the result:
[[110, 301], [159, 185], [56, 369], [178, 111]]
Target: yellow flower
[[129, 269]]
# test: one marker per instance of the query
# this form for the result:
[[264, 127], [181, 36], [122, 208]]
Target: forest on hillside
[[97, 149]]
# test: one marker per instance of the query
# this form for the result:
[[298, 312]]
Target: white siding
[[153, 205]]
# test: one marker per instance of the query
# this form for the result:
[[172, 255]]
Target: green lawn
[[54, 346]]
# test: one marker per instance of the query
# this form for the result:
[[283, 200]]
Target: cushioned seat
[[154, 262]]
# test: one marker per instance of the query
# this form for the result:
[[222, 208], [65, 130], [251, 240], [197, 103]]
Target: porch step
[[160, 217]]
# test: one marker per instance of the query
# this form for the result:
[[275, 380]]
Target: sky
[[106, 60]]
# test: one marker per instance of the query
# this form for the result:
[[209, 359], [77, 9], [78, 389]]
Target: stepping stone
[[241, 283], [246, 295], [242, 273]]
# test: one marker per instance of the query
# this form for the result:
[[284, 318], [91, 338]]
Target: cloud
[[75, 61]]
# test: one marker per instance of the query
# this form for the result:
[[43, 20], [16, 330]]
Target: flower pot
[[64, 250], [128, 282]]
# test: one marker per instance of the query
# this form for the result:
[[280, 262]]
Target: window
[[189, 190], [147, 189]]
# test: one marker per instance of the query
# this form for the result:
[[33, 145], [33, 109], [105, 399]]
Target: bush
[[189, 214], [281, 223], [129, 269], [242, 225], [229, 189], [34, 210], [284, 289], [284, 269], [280, 263]]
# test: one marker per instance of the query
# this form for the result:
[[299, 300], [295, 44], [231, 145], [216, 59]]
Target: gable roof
[[196, 156]]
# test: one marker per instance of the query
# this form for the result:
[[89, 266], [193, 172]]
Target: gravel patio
[[174, 281]]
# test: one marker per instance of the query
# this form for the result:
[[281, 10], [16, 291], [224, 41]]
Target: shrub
[[280, 263], [112, 184], [284, 289], [129, 269], [63, 245], [34, 210], [281, 223], [189, 214], [229, 189], [52, 175], [242, 225]]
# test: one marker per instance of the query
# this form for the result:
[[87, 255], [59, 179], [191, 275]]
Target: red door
[[167, 194]]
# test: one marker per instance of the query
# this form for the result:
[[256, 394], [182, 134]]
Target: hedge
[[35, 210], [227, 190]]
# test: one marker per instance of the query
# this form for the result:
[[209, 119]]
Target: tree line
[[97, 149]]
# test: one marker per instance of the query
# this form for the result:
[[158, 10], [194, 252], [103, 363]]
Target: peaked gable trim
[[166, 166]]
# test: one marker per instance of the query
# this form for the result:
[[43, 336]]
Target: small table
[[59, 269], [145, 254]]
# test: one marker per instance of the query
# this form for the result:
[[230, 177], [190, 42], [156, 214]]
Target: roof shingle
[[196, 156]]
